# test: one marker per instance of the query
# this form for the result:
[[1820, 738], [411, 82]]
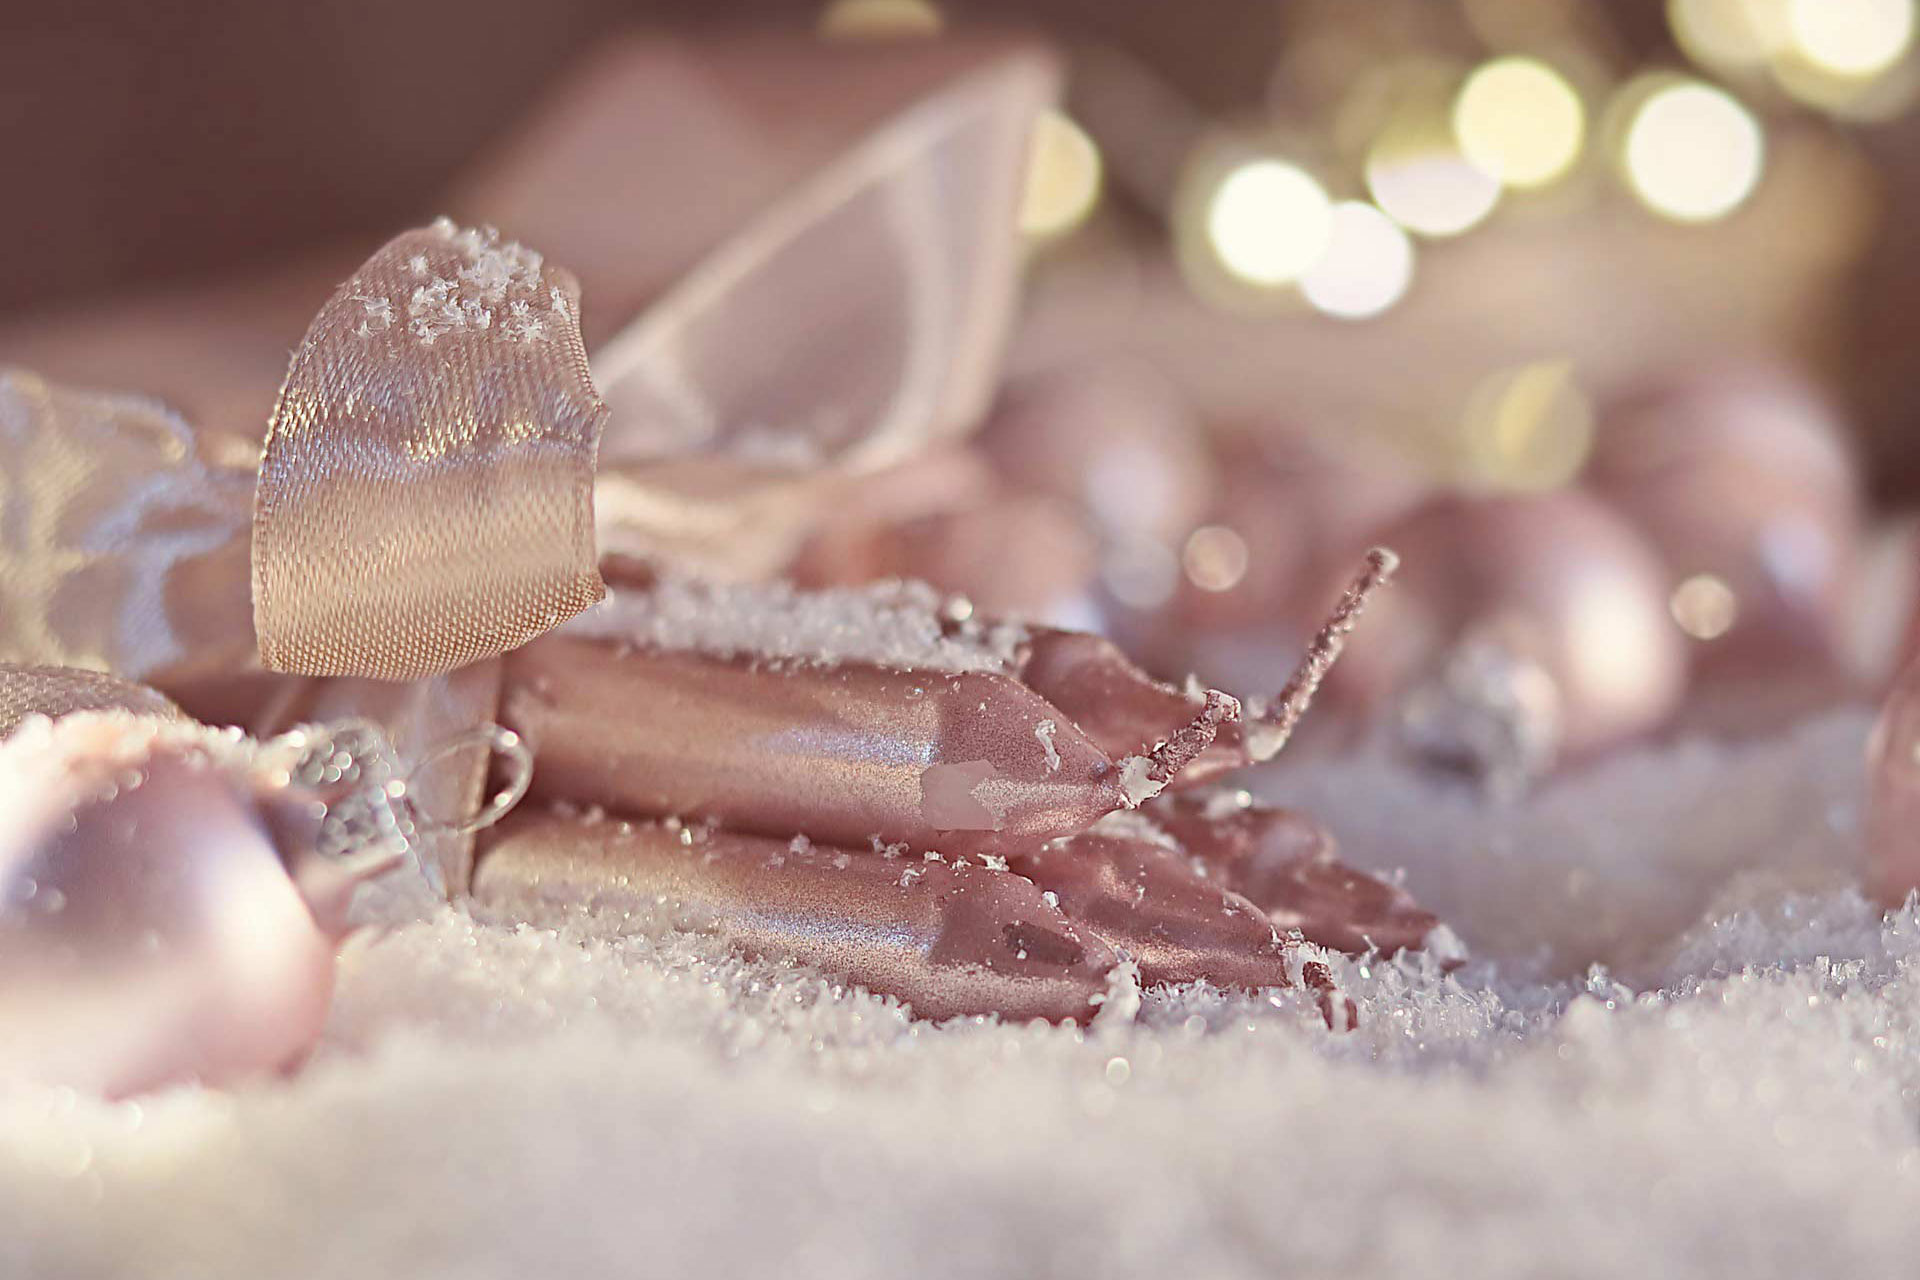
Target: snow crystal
[[379, 315], [1124, 824], [1735, 1090], [92, 752], [1045, 731], [1137, 782], [492, 281], [895, 624]]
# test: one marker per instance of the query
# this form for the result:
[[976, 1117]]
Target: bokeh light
[[1705, 606], [1852, 37], [1730, 34], [1419, 176], [1140, 572], [879, 19], [1215, 558], [1853, 98], [1063, 177], [1366, 268], [1526, 429], [1268, 221], [1519, 120], [1693, 153]]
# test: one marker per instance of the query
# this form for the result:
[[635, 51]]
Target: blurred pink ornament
[[171, 898], [1525, 630], [1745, 481], [1893, 793], [1252, 579], [1074, 467], [1116, 441], [1011, 554], [1883, 625]]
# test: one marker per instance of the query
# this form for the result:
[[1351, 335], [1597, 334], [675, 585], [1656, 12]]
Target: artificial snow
[[1684, 1045], [1044, 731], [496, 283], [1137, 783], [903, 625]]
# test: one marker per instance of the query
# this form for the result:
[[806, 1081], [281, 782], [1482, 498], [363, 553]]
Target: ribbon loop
[[425, 497]]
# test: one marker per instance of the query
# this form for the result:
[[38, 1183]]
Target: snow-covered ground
[[1735, 1092]]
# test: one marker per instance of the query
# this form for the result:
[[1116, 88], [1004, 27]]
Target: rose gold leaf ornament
[[1135, 886], [171, 896], [1284, 862], [896, 731], [818, 716], [1121, 707], [948, 937]]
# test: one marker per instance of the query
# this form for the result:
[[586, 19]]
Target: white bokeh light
[[1429, 187], [1693, 153], [1268, 221], [1852, 37], [1366, 268], [1519, 120], [1063, 177]]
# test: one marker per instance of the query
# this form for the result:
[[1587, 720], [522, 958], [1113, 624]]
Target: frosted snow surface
[[1737, 1093], [907, 625]]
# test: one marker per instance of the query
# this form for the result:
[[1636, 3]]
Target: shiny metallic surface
[[1286, 864], [953, 761], [1120, 707], [1487, 712], [949, 939], [1146, 897]]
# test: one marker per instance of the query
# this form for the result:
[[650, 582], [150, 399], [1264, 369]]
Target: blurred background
[[1599, 314]]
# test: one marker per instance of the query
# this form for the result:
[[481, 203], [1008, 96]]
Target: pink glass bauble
[[1883, 624], [1011, 554], [1114, 441], [1250, 582], [1520, 630], [150, 930], [1745, 481]]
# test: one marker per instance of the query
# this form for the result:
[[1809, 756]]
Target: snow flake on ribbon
[[492, 284]]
